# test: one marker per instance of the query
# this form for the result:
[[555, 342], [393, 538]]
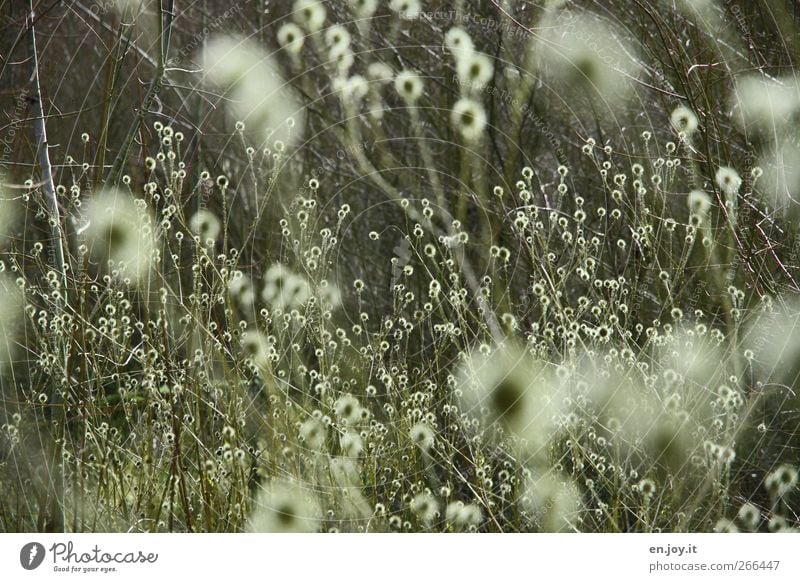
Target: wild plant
[[439, 267]]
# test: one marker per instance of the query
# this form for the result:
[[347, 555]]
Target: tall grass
[[441, 268]]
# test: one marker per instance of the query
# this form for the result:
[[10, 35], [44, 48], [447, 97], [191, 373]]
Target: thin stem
[[57, 518]]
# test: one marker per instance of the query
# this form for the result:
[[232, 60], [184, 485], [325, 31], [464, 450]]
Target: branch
[[42, 150], [55, 511], [166, 16]]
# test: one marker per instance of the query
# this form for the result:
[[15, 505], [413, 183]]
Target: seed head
[[120, 233], [458, 41], [422, 436], [408, 85], [284, 507], [205, 225], [363, 8], [728, 181], [475, 70], [699, 202], [310, 14], [425, 507], [291, 38], [405, 9], [684, 120], [469, 118]]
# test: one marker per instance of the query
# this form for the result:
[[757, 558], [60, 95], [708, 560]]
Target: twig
[[166, 16], [56, 521], [42, 148]]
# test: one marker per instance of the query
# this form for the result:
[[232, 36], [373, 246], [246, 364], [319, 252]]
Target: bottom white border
[[406, 557]]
